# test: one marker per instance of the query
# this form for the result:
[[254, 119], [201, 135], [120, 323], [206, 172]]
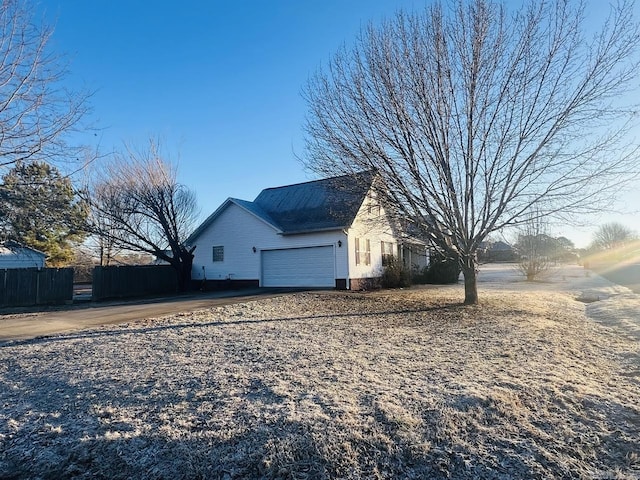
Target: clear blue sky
[[218, 81]]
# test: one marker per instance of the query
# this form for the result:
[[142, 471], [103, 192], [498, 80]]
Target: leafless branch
[[37, 113], [137, 204]]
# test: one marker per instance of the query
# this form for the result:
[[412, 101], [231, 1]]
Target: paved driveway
[[31, 325]]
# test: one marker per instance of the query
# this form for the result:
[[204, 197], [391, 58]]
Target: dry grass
[[330, 385]]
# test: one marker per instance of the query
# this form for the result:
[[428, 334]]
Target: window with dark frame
[[218, 253]]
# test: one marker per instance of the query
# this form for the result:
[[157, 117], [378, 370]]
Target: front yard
[[405, 384]]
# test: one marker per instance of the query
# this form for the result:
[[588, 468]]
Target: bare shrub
[[395, 274]]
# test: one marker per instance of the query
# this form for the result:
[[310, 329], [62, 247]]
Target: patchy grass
[[405, 384]]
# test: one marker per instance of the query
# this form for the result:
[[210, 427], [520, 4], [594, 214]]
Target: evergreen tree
[[39, 208]]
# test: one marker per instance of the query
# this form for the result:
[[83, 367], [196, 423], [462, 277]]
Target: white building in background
[[15, 255]]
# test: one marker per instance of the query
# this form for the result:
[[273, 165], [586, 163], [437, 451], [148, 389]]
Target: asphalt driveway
[[25, 326]]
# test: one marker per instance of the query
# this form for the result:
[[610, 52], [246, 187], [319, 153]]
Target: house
[[15, 255], [497, 251], [324, 233]]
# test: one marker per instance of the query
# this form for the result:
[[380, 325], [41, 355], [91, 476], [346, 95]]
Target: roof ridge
[[323, 205], [346, 175]]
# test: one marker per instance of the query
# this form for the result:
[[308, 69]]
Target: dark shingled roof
[[328, 204]]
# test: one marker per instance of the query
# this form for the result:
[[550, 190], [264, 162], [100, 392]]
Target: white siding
[[374, 226], [238, 231], [20, 258]]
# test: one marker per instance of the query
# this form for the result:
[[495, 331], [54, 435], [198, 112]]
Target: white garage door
[[298, 267]]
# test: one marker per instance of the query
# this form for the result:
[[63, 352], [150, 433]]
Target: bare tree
[[106, 239], [472, 114], [535, 247], [36, 111], [611, 236], [137, 204]]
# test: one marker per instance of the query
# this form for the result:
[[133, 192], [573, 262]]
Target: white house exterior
[[326, 233], [14, 255]]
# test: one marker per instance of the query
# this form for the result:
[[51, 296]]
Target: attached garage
[[299, 267]]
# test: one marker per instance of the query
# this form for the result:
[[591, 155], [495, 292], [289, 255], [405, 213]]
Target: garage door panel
[[298, 267]]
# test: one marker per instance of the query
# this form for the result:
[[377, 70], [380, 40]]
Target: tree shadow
[[114, 330], [58, 426]]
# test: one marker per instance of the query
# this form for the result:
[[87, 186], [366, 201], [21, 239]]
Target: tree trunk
[[470, 283], [183, 268]]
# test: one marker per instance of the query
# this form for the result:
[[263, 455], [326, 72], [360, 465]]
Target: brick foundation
[[365, 283]]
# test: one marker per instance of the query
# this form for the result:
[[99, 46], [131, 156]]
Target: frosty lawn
[[334, 385]]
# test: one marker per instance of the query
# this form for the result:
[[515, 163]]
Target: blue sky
[[219, 81]]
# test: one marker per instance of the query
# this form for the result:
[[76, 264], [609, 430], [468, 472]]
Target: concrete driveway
[[25, 326]]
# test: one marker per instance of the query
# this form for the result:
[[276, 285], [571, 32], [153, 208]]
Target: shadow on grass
[[85, 438], [59, 429], [61, 426], [115, 330]]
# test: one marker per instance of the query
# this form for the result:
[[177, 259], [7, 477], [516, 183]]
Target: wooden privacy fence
[[133, 281], [23, 287]]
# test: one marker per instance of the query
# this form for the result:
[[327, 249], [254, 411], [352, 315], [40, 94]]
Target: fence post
[[3, 298], [38, 287]]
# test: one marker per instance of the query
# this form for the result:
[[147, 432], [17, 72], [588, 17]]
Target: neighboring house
[[324, 233], [497, 251], [15, 255]]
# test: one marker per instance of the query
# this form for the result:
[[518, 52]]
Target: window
[[387, 252], [367, 252], [363, 251], [218, 253]]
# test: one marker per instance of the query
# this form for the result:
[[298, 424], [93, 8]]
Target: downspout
[[348, 279]]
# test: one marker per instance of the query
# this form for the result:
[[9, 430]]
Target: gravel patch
[[404, 384]]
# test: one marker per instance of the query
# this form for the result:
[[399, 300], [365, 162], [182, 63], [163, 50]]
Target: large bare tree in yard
[[472, 114], [36, 112], [137, 204]]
